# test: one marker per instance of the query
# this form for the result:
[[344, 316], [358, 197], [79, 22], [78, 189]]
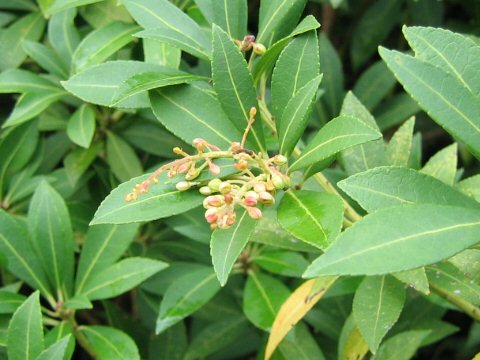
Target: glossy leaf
[[62, 33], [363, 248], [120, 277], [402, 346], [226, 245], [61, 5], [192, 112], [443, 165], [110, 343], [470, 186], [297, 65], [157, 52], [377, 305], [390, 186], [81, 126], [440, 93], [296, 115], [25, 331], [99, 44], [398, 150], [55, 351], [415, 279], [313, 217], [234, 85], [104, 244], [185, 296], [22, 81], [262, 297], [231, 16], [339, 134], [122, 158], [46, 58]]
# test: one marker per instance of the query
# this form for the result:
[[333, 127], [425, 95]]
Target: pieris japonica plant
[[178, 182]]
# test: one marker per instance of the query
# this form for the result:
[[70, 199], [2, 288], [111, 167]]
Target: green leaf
[[231, 16], [30, 105], [122, 158], [443, 165], [396, 110], [55, 351], [25, 331], [300, 344], [185, 296], [266, 62], [338, 134], [79, 160], [390, 186], [262, 297], [78, 302], [15, 246], [374, 27], [99, 84], [438, 92], [402, 346], [110, 343], [216, 336], [101, 43], [22, 81], [398, 149], [415, 278], [470, 186], [310, 216], [120, 277], [170, 345], [234, 85], [374, 84], [49, 223], [104, 244], [63, 34], [10, 301], [295, 118], [377, 306], [286, 263], [157, 52], [364, 156], [277, 19], [152, 80], [81, 126], [226, 245], [28, 27], [56, 334], [449, 278], [366, 247], [101, 13], [46, 58], [297, 65], [440, 46], [192, 112], [164, 21]]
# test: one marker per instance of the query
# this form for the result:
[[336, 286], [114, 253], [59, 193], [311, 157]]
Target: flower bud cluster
[[248, 43]]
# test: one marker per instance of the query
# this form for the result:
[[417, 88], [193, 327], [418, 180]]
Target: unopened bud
[[278, 182], [214, 184], [279, 159], [254, 213], [231, 218], [266, 198], [192, 174], [235, 146], [223, 223], [199, 144], [211, 215], [183, 185], [253, 112], [259, 49], [228, 198], [224, 187], [250, 201], [205, 190], [177, 150], [215, 200], [241, 165], [214, 168], [259, 187]]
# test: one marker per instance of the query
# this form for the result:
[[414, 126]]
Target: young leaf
[[390, 186], [364, 248], [185, 296], [63, 34], [313, 217], [81, 126], [234, 85], [25, 331], [226, 245], [443, 165], [296, 115], [193, 112], [262, 297], [164, 21], [402, 346], [104, 244], [441, 94], [120, 277], [122, 158], [377, 306], [155, 204], [98, 45], [398, 149], [294, 309], [55, 351], [110, 343], [339, 134], [297, 65], [78, 302], [46, 58]]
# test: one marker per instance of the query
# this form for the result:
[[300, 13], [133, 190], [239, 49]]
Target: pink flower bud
[[228, 198], [266, 198], [254, 213], [214, 168], [250, 201], [215, 200], [211, 215], [199, 144], [184, 167]]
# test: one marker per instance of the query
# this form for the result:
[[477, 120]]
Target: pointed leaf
[[79, 160], [46, 58], [390, 186], [301, 341], [470, 186], [234, 85], [313, 217], [10, 301], [338, 134], [398, 149], [21, 81], [122, 159], [364, 248], [415, 278], [226, 245], [443, 165], [402, 346], [231, 16], [81, 126], [55, 351], [25, 331], [377, 306], [63, 34]]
